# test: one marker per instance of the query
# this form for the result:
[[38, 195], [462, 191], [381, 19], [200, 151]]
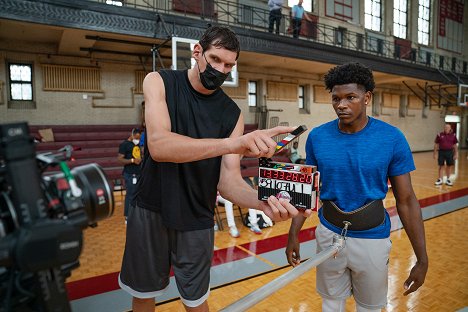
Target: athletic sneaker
[[216, 226], [438, 182], [448, 182], [255, 229], [234, 231]]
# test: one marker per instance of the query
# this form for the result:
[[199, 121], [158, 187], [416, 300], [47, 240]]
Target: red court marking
[[277, 242], [92, 286], [227, 255], [437, 199], [108, 282]]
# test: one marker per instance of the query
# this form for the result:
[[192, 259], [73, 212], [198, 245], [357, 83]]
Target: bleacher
[[91, 144], [100, 143]]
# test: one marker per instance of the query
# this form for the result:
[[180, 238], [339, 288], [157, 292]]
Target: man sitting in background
[[294, 154]]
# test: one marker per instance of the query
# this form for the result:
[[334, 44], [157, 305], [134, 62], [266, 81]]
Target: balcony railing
[[256, 18]]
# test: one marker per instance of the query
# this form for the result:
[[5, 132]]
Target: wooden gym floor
[[93, 284]]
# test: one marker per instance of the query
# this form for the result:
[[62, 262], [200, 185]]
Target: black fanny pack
[[364, 218]]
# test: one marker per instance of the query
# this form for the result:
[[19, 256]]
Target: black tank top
[[185, 193]]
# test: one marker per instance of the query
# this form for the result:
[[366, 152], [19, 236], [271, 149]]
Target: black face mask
[[211, 78]]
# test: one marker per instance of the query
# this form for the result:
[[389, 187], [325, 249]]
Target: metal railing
[[256, 18], [270, 288]]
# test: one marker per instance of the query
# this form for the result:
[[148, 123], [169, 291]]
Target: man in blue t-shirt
[[297, 13], [355, 155]]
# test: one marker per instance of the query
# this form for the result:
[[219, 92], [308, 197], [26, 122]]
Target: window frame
[[305, 109], [255, 94], [341, 5], [20, 103], [421, 29], [397, 24], [373, 16]]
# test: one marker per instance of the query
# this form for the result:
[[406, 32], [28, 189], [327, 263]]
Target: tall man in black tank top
[[194, 142]]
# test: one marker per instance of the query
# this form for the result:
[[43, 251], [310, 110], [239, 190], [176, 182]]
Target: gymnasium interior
[[74, 70]]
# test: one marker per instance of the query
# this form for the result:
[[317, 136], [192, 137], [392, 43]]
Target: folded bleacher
[[100, 144], [91, 144]]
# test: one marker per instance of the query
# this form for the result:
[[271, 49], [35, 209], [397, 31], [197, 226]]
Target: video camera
[[42, 219]]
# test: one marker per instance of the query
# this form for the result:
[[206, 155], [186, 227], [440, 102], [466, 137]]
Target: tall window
[[373, 15], [400, 18], [252, 93], [424, 21], [20, 82], [301, 97]]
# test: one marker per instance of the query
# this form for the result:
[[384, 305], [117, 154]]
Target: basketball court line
[[241, 262]]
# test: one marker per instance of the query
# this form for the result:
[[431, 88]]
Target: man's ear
[[197, 51], [368, 96]]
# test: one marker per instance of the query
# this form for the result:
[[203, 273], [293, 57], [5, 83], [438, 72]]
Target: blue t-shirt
[[142, 139], [354, 168], [298, 11]]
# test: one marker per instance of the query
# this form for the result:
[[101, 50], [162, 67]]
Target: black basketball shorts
[[446, 156], [151, 249]]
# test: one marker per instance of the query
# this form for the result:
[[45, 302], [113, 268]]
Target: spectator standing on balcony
[[130, 156], [275, 14], [446, 146], [297, 15]]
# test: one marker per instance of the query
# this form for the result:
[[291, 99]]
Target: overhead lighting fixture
[[116, 3]]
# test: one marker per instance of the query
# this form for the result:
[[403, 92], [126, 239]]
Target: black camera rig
[[42, 219]]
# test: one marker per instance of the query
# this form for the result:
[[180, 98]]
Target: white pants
[[228, 207], [359, 269]]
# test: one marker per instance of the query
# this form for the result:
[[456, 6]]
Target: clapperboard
[[299, 183]]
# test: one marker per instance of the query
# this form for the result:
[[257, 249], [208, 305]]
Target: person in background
[[253, 218], [297, 15], [229, 209], [275, 15], [355, 155], [294, 154], [446, 147], [143, 127], [130, 157]]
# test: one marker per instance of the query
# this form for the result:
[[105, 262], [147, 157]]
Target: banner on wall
[[450, 30], [449, 9]]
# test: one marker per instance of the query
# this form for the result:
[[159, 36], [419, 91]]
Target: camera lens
[[97, 195]]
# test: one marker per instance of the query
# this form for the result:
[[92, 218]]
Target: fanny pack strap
[[364, 218]]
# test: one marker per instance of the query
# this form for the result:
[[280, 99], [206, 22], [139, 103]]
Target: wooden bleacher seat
[[100, 144], [92, 144], [53, 146]]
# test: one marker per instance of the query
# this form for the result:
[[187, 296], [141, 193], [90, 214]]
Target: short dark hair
[[220, 37], [350, 73], [136, 131]]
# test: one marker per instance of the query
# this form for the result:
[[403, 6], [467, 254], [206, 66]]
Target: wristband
[[132, 160]]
